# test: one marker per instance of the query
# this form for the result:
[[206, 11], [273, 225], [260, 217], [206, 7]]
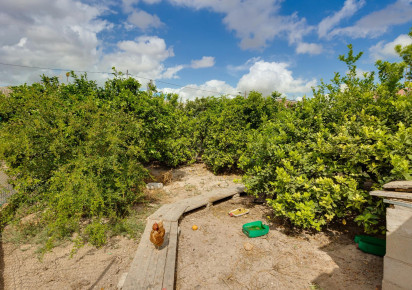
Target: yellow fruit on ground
[[194, 227]]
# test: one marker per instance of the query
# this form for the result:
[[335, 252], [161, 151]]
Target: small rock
[[248, 246], [154, 185]]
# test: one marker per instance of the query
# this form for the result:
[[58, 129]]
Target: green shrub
[[311, 162]]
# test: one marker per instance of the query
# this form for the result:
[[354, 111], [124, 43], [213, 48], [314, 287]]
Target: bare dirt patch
[[91, 268], [190, 181], [215, 256], [219, 256]]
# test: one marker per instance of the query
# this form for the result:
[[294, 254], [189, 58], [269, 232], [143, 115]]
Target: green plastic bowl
[[255, 229], [371, 245]]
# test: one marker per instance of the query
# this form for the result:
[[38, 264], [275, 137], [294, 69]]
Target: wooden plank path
[[155, 269]]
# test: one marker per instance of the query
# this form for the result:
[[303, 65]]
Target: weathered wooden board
[[399, 202], [398, 185], [176, 212], [212, 196], [169, 272], [148, 266], [399, 220], [397, 272], [161, 212], [154, 275], [142, 259], [155, 269], [393, 194], [386, 285], [398, 247]]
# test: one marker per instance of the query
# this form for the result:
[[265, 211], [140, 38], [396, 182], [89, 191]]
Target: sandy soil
[[190, 180], [91, 268], [214, 256]]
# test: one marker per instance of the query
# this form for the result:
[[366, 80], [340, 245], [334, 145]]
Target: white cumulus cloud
[[255, 23], [209, 88], [42, 33], [64, 34], [171, 72], [243, 67], [142, 56], [378, 22], [349, 8], [263, 77], [386, 50], [206, 61], [144, 20], [309, 48], [266, 77], [127, 5]]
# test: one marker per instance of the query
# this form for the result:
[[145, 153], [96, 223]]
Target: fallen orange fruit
[[194, 227]]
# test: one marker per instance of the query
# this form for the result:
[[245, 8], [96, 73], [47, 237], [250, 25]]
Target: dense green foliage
[[312, 162], [77, 151], [220, 126]]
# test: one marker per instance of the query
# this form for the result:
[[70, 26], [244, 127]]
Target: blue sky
[[208, 46]]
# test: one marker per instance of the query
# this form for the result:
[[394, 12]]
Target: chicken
[[157, 235]]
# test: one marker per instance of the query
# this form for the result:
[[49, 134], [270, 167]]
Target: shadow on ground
[[1, 264]]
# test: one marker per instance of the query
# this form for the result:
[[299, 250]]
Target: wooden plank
[[399, 220], [398, 185], [213, 196], [137, 272], [161, 263], [152, 269], [393, 194], [169, 276], [386, 285], [196, 202], [397, 272], [170, 212], [399, 247], [176, 212], [399, 202], [161, 212], [154, 275]]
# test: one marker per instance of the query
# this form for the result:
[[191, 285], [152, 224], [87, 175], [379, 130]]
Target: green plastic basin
[[371, 245], [255, 229]]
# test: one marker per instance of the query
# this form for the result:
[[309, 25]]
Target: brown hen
[[157, 235]]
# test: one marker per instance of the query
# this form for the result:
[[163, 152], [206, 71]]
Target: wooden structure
[[397, 269], [155, 269]]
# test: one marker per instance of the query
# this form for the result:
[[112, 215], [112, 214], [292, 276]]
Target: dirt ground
[[218, 255], [91, 268], [214, 256]]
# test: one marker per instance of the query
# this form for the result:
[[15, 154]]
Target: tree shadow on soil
[[1, 264], [354, 269]]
